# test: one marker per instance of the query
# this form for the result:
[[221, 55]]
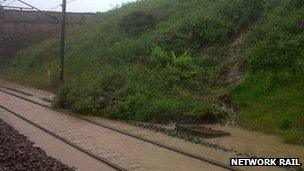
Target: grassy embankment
[[157, 60]]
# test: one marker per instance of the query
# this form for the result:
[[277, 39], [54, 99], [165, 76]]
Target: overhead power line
[[8, 4], [63, 29], [16, 8], [54, 7], [2, 1], [35, 8]]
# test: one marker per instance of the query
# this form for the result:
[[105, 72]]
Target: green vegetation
[[270, 98], [156, 60]]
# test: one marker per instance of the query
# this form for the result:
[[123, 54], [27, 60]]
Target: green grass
[[156, 60], [270, 98]]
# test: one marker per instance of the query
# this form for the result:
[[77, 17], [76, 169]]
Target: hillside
[[156, 60]]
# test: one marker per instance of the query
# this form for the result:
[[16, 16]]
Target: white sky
[[73, 6]]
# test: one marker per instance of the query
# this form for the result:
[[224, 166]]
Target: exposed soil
[[18, 153]]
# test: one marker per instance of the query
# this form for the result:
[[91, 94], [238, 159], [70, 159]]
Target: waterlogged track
[[112, 166], [131, 153], [117, 167], [52, 146]]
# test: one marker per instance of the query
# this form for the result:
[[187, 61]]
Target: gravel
[[17, 153], [182, 135]]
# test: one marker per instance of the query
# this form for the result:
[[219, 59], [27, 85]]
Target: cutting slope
[[156, 60]]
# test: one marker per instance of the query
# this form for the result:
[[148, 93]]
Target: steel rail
[[21, 92], [198, 157]]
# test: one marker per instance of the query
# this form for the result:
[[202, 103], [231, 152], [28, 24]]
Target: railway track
[[12, 92], [99, 158]]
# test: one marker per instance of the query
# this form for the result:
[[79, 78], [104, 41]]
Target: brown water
[[252, 143], [125, 151], [54, 147]]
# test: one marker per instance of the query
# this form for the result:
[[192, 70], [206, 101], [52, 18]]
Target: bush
[[137, 23], [85, 106], [219, 26], [293, 137], [159, 56], [242, 12], [183, 62], [196, 32], [277, 43], [286, 122], [61, 99], [108, 89]]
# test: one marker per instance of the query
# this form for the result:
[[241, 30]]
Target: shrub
[[276, 44], [242, 12], [108, 89], [61, 99], [184, 61], [85, 105], [286, 122], [137, 23], [196, 32], [159, 56], [293, 137]]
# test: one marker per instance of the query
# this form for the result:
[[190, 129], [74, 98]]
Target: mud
[[125, 151], [221, 149], [54, 147]]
